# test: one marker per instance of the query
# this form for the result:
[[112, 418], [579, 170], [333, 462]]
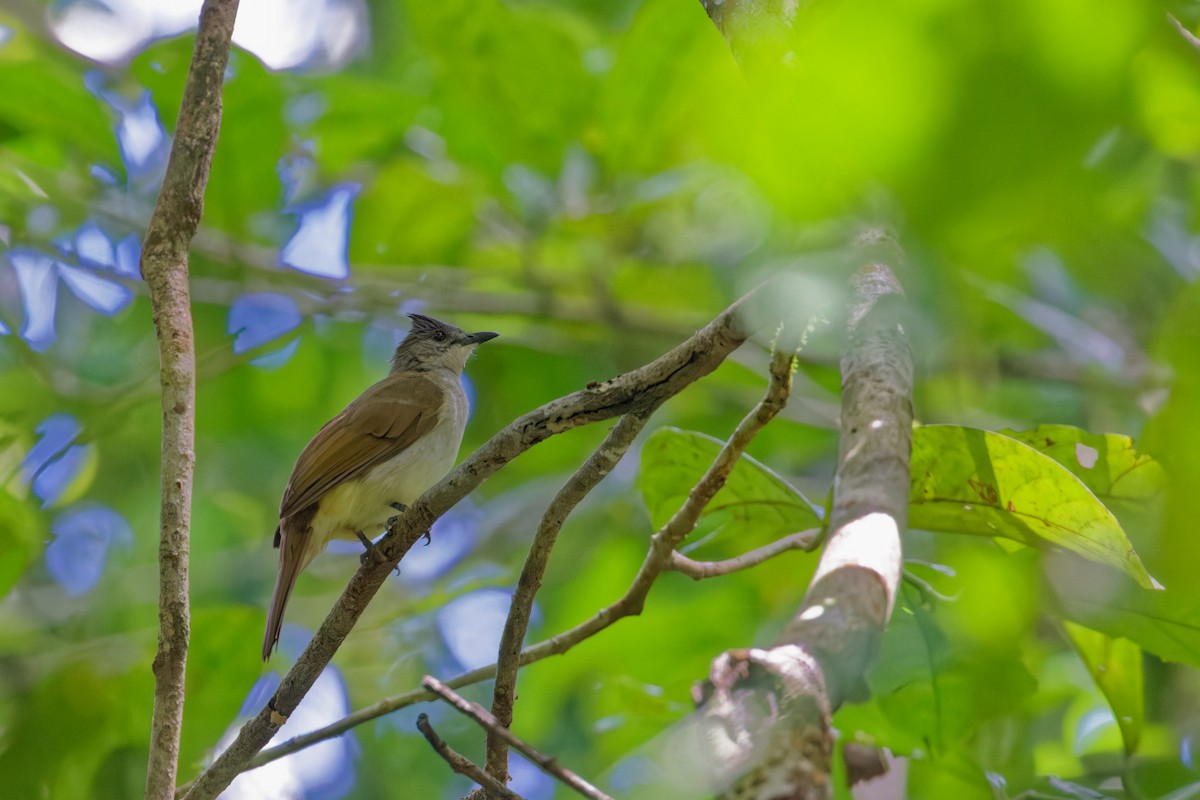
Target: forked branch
[[632, 393]]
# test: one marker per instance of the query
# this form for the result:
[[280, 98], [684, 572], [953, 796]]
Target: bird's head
[[433, 344]]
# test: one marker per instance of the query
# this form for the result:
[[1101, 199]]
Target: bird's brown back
[[383, 421]]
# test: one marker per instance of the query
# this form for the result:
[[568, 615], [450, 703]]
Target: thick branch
[[633, 392], [495, 728], [461, 764], [165, 269], [508, 660], [765, 715]]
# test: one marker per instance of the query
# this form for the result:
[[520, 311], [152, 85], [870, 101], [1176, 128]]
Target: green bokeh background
[[603, 179]]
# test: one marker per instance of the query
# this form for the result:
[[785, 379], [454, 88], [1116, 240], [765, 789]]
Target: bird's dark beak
[[480, 338]]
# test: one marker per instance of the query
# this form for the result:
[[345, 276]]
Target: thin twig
[[461, 764], [629, 393], [493, 726], [630, 604], [683, 522], [577, 487], [699, 570], [1187, 35], [164, 265]]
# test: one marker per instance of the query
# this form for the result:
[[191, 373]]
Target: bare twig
[[461, 764], [165, 269], [1187, 35], [683, 522], [699, 570], [630, 604], [508, 660], [630, 393], [494, 727]]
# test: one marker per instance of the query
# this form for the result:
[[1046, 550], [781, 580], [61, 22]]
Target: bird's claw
[[368, 547], [392, 519]]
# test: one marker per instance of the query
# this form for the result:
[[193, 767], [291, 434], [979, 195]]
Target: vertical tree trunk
[[164, 266]]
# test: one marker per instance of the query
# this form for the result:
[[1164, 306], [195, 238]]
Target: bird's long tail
[[293, 557]]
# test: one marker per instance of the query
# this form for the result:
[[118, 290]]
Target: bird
[[377, 456]]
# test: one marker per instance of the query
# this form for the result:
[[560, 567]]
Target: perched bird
[[378, 455]]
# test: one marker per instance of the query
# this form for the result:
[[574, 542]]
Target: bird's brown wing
[[381, 423]]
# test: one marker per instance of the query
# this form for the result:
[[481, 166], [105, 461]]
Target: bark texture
[[164, 265], [765, 714]]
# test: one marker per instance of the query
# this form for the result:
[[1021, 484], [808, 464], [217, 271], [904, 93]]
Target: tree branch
[[628, 605], [667, 538], [765, 714], [508, 660], [1187, 35], [164, 266], [495, 728], [699, 570], [756, 30], [461, 764], [633, 392]]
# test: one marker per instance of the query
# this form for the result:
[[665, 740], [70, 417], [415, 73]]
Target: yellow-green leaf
[[1106, 463], [764, 505], [1116, 666], [967, 480]]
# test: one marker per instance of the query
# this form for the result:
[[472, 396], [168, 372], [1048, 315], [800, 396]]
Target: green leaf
[[1165, 623], [1105, 463], [21, 528], [1116, 666], [966, 480], [20, 532], [407, 217], [762, 505], [931, 689], [44, 97], [533, 71]]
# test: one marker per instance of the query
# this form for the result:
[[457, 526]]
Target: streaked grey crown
[[427, 327], [433, 344]]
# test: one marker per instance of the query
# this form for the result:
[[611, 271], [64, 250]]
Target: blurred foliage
[[594, 180]]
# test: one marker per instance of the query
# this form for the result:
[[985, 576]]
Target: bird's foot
[[368, 547], [428, 539], [392, 519]]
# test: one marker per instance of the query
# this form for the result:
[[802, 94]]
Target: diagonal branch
[[633, 392], [1187, 35], [629, 604], [461, 764], [546, 763], [164, 265], [577, 487]]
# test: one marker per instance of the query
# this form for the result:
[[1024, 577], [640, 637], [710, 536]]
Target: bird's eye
[[439, 336]]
